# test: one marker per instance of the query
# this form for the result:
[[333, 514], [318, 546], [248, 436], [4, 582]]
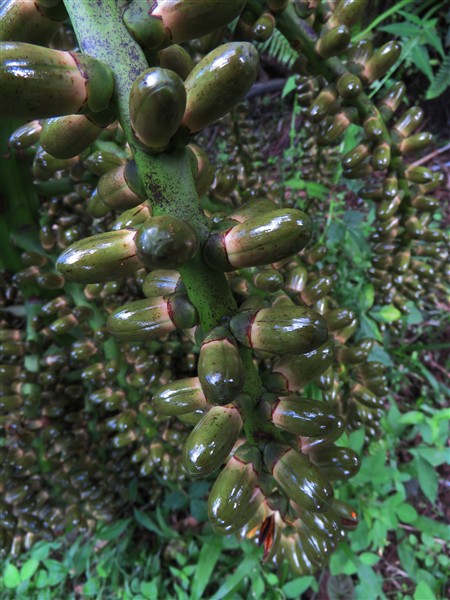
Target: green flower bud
[[409, 122], [219, 81], [161, 283], [348, 12], [112, 193], [333, 128], [268, 280], [27, 21], [166, 242], [382, 60], [175, 58], [132, 218], [373, 128], [416, 142], [225, 183], [220, 368], [263, 27], [296, 280], [425, 203], [392, 100], [366, 397], [304, 417], [251, 209], [211, 441], [41, 83], [321, 524], [336, 463], [277, 6], [349, 86], [157, 104], [292, 372], [102, 161], [355, 354], [387, 208], [66, 137], [299, 479], [234, 497], [355, 157], [361, 52], [283, 330], [317, 289], [339, 318], [259, 241], [203, 170], [152, 317], [323, 105], [381, 157], [346, 513], [100, 257], [420, 175], [180, 397], [24, 137], [333, 42]]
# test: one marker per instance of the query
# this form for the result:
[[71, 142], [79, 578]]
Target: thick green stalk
[[167, 178]]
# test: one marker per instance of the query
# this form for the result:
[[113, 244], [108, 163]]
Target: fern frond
[[441, 80], [278, 48]]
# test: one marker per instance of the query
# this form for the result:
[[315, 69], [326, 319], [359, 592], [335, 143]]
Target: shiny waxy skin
[[259, 240], [149, 318], [219, 81], [166, 242], [304, 417], [66, 137], [179, 397], [100, 257], [211, 440], [234, 497], [280, 330], [157, 104], [39, 82], [301, 481], [336, 463], [220, 368]]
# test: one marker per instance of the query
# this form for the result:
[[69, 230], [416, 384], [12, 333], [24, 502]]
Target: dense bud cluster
[[215, 318]]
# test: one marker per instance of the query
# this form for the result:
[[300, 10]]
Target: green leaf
[[406, 513], [113, 531], [424, 592], [144, 520], [428, 479], [289, 86], [11, 576], [209, 555], [149, 589], [28, 569], [414, 316], [367, 297], [92, 586], [41, 579], [235, 579], [386, 314], [407, 557], [434, 456], [369, 558], [412, 418], [296, 587], [369, 328], [421, 59], [402, 29], [441, 80]]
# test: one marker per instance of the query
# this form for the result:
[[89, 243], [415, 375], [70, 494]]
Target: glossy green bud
[[152, 317], [349, 86], [234, 497], [260, 240], [161, 283], [299, 479], [365, 396], [180, 397], [387, 208], [348, 12], [281, 330], [39, 82], [290, 373], [220, 367], [175, 58], [66, 137], [381, 157], [382, 60], [336, 463], [268, 280], [100, 257], [416, 142], [420, 175], [333, 42], [112, 193], [263, 27], [219, 81], [211, 441], [25, 136], [103, 161], [157, 104], [323, 105], [132, 218], [346, 513], [189, 19], [373, 128], [361, 52], [304, 417], [29, 21], [317, 289], [166, 242], [356, 354], [225, 183], [392, 100], [339, 318], [252, 208], [425, 203], [409, 122], [296, 280]]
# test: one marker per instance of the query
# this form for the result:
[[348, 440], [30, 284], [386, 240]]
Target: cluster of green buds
[[216, 316]]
